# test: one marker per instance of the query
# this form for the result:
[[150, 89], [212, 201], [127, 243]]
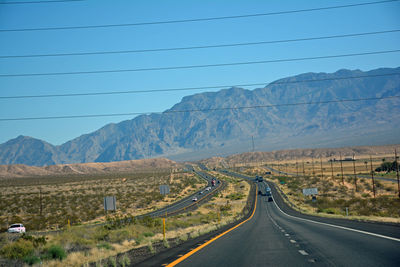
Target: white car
[[16, 228], [208, 188], [194, 199]]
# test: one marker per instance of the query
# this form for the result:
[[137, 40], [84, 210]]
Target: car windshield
[[15, 226]]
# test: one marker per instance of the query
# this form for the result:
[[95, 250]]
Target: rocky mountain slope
[[230, 119]]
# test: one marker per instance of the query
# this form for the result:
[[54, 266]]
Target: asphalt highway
[[186, 202], [274, 238]]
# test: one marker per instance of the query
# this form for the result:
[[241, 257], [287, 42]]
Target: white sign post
[[110, 203], [164, 189], [310, 191]]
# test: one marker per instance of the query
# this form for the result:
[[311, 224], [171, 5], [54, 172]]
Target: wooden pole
[[372, 174], [312, 163], [355, 175], [341, 167], [322, 170]]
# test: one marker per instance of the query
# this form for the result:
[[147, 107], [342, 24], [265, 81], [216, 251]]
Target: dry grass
[[80, 198], [203, 220], [335, 194], [91, 244]]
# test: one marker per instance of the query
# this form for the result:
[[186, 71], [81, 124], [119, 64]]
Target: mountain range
[[348, 107]]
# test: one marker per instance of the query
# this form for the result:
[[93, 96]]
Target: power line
[[198, 66], [199, 47], [196, 19], [203, 110], [194, 88], [39, 2]]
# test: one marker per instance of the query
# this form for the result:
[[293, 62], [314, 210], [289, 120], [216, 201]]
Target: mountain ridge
[[228, 124]]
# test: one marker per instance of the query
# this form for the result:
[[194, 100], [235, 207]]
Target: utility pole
[[40, 200], [297, 170], [355, 175], [397, 171], [279, 166], [322, 170], [332, 168], [312, 163], [341, 167], [304, 172], [372, 174]]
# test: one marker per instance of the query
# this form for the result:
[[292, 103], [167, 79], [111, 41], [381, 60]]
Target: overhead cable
[[199, 47], [202, 110], [279, 82], [197, 66], [196, 19], [38, 2]]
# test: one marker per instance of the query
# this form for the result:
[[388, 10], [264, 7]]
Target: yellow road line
[[187, 255]]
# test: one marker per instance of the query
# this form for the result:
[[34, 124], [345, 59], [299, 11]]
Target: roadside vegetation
[[47, 203], [122, 232], [341, 194]]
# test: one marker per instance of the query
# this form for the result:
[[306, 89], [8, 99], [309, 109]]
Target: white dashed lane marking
[[302, 252]]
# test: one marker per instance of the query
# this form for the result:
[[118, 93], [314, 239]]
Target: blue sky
[[369, 18]]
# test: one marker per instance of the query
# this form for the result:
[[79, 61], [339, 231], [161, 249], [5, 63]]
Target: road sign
[[164, 189], [310, 191], [110, 203]]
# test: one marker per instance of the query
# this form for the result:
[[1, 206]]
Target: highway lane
[[272, 238], [333, 246], [275, 238], [389, 229], [186, 202], [256, 243]]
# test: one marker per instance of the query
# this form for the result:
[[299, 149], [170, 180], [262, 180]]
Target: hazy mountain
[[275, 124]]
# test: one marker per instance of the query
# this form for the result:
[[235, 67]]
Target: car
[[16, 228], [208, 188], [270, 199], [201, 192], [194, 199]]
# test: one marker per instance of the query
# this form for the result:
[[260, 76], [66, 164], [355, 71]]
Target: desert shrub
[[117, 236], [101, 234], [124, 261], [56, 252], [148, 234], [37, 241], [342, 189], [150, 221], [112, 262], [31, 259], [151, 248], [17, 250], [104, 245], [235, 196], [328, 211]]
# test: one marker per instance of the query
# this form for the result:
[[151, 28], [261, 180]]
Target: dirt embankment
[[19, 170]]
